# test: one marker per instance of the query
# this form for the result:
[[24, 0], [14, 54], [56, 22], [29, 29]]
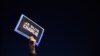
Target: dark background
[[69, 27]]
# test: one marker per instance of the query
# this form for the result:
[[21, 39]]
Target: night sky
[[70, 27]]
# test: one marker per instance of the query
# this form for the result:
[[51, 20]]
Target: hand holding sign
[[32, 42], [27, 28]]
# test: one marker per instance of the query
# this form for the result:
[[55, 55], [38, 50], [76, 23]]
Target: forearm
[[32, 46]]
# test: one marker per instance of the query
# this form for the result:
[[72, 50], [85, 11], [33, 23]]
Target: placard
[[26, 27]]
